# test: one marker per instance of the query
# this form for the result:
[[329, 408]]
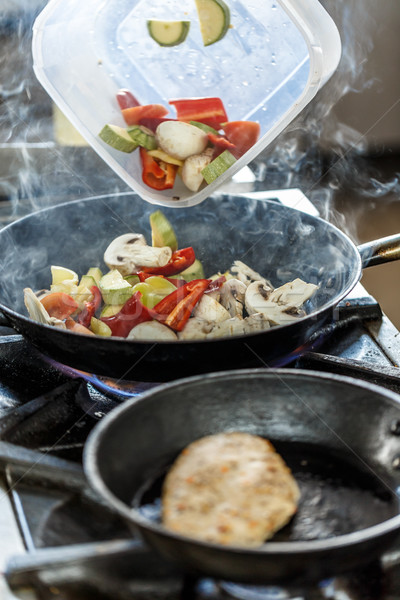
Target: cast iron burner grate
[[77, 548]]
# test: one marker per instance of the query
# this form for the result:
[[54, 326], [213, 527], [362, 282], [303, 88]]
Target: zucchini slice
[[118, 138], [168, 33], [218, 166], [215, 19]]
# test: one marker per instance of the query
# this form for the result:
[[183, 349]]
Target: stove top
[[65, 543], [57, 538]]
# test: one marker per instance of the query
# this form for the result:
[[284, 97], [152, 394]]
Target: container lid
[[270, 63]]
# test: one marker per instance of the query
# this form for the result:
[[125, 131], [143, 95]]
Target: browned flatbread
[[229, 488]]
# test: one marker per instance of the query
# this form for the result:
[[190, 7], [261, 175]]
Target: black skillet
[[277, 241], [340, 438]]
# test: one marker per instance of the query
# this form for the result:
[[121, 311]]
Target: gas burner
[[364, 585]]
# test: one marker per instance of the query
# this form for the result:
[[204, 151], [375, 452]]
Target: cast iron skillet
[[336, 434], [279, 242]]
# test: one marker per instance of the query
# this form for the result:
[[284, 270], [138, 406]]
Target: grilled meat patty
[[229, 488]]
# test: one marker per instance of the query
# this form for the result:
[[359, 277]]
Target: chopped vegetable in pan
[[160, 292]]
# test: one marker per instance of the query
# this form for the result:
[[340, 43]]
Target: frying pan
[[340, 437], [279, 242]]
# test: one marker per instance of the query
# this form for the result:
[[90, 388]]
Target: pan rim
[[270, 547], [8, 311]]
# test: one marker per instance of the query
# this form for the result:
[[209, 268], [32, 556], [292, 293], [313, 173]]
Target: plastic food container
[[269, 65]]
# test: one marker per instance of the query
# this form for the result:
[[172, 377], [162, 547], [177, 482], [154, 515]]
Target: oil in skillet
[[337, 497]]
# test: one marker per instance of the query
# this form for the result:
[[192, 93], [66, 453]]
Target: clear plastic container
[[269, 65]]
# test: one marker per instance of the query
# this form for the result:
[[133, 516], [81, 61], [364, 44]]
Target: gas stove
[[58, 540]]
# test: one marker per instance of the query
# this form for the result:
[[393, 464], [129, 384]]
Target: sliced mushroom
[[255, 322], [247, 275], [227, 328], [293, 294], [195, 329], [232, 296], [209, 309], [192, 168], [129, 252], [152, 330], [258, 300], [37, 311], [257, 296]]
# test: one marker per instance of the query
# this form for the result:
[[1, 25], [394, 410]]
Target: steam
[[35, 170], [317, 152]]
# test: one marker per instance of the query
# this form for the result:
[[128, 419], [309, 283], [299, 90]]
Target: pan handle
[[380, 251], [3, 320]]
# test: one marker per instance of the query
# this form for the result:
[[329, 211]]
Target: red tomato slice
[[59, 305], [77, 327], [243, 134], [134, 114]]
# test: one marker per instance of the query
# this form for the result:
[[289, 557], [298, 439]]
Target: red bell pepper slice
[[153, 175], [134, 114], [242, 134], [210, 111], [215, 284], [168, 303], [126, 99], [179, 261], [180, 315], [90, 308], [59, 305], [131, 314], [175, 309]]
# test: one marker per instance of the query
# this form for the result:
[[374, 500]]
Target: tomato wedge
[[59, 305], [77, 327], [134, 114], [242, 134]]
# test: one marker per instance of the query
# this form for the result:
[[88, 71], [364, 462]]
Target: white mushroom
[[232, 326], [129, 252], [247, 275], [192, 168], [232, 296], [195, 329], [293, 294], [255, 322], [37, 311], [152, 330], [258, 300], [181, 140], [209, 309]]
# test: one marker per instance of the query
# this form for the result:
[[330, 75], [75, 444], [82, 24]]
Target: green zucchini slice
[[218, 166], [215, 20], [168, 33]]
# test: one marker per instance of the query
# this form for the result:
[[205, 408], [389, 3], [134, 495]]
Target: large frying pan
[[279, 242], [339, 436]]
